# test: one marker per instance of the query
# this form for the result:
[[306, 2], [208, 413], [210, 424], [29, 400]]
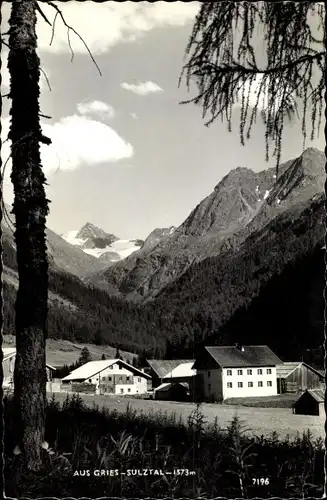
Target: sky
[[125, 154]]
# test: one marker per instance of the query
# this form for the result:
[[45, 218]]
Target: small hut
[[173, 391], [311, 402]]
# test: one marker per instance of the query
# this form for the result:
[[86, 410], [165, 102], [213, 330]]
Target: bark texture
[[30, 209]]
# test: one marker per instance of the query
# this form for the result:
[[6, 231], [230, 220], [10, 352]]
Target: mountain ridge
[[240, 204]]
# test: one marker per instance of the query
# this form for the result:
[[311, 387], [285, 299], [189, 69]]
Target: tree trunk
[[30, 209]]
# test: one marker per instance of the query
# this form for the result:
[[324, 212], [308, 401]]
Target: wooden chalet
[[298, 376]]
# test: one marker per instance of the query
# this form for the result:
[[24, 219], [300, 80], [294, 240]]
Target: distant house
[[311, 402], [298, 376], [8, 365], [173, 391], [158, 369], [236, 371], [110, 376]]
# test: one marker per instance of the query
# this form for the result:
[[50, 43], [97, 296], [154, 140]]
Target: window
[[250, 384], [269, 383], [229, 385], [239, 372], [120, 378], [128, 390], [139, 379], [120, 367], [268, 371], [259, 371], [209, 387], [260, 384], [208, 374], [249, 372], [229, 372], [90, 380], [103, 378], [109, 378], [127, 379], [239, 384], [121, 391]]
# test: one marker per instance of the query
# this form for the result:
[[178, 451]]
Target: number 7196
[[260, 481]]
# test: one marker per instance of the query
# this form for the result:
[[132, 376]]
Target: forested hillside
[[270, 291]]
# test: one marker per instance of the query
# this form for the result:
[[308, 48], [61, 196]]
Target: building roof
[[252, 355], [285, 369], [164, 366], [9, 352], [168, 385], [92, 368], [182, 370], [317, 394]]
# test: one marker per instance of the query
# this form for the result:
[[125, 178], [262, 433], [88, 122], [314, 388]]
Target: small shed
[[298, 376], [173, 391], [311, 402]]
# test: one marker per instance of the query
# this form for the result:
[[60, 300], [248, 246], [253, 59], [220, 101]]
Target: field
[[63, 352], [279, 401], [221, 458], [259, 421]]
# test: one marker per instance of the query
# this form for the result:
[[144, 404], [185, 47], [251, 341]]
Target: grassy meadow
[[257, 420], [63, 352], [221, 457]]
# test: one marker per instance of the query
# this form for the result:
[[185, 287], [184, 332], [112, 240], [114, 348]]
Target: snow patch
[[266, 194], [123, 248], [257, 188], [278, 201], [70, 237]]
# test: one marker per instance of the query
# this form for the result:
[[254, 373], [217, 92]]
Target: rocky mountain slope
[[106, 247], [61, 254], [270, 291], [264, 285], [243, 203]]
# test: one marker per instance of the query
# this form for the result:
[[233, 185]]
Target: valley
[[247, 255]]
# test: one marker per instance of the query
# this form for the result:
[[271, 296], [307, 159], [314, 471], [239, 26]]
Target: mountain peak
[[157, 235], [89, 230]]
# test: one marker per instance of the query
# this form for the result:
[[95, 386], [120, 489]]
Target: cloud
[[76, 141], [142, 88], [113, 23], [99, 108], [251, 91]]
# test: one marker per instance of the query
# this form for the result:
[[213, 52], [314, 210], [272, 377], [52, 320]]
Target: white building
[[8, 366], [110, 376], [236, 371]]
